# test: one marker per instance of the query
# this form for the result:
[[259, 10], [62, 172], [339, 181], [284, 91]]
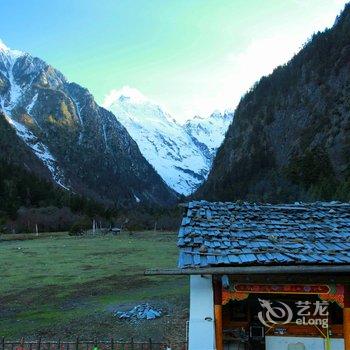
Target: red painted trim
[[217, 290]]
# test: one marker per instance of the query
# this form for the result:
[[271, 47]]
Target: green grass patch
[[49, 283]]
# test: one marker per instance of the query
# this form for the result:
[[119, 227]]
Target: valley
[[95, 183], [182, 154]]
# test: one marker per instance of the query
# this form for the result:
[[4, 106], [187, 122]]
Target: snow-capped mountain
[[11, 93], [82, 145], [89, 150], [181, 154]]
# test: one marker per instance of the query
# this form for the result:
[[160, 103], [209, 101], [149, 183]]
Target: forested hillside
[[290, 138], [25, 189]]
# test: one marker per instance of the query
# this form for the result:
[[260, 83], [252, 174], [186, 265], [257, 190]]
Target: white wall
[[201, 331], [310, 343]]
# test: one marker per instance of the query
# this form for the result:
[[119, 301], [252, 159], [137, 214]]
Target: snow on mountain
[[34, 92], [9, 52], [3, 47], [40, 150], [208, 133], [181, 154], [8, 59], [82, 145]]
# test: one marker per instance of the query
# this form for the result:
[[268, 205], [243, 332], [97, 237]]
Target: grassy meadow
[[62, 286]]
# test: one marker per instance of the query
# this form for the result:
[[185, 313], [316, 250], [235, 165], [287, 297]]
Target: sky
[[190, 56]]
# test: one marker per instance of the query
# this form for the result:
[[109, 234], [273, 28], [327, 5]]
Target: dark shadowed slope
[[290, 138]]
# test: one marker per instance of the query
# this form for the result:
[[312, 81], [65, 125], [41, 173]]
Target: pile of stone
[[139, 312]]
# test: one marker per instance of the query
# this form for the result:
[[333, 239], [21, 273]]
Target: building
[[266, 276]]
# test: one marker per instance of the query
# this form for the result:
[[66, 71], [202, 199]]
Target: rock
[[139, 312]]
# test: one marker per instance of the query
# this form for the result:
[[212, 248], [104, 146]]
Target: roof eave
[[257, 270]]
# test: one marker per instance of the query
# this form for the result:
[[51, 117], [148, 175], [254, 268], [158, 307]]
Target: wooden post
[[3, 343], [218, 312], [77, 344], [21, 343], [346, 317]]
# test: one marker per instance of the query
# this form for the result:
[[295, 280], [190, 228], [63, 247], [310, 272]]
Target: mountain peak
[[135, 107], [216, 113], [5, 49], [125, 94], [225, 114]]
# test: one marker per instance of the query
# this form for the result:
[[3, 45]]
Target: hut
[[265, 276]]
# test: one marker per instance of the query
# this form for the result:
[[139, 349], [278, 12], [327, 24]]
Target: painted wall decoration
[[241, 291]]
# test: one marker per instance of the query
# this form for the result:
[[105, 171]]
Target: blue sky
[[191, 56]]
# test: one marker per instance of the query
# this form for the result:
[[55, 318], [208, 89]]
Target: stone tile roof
[[217, 233]]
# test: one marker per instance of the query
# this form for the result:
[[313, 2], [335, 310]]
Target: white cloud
[[218, 83], [260, 58], [227, 81]]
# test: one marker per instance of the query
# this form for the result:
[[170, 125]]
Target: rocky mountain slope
[[27, 191], [15, 151], [81, 145], [181, 154], [290, 138]]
